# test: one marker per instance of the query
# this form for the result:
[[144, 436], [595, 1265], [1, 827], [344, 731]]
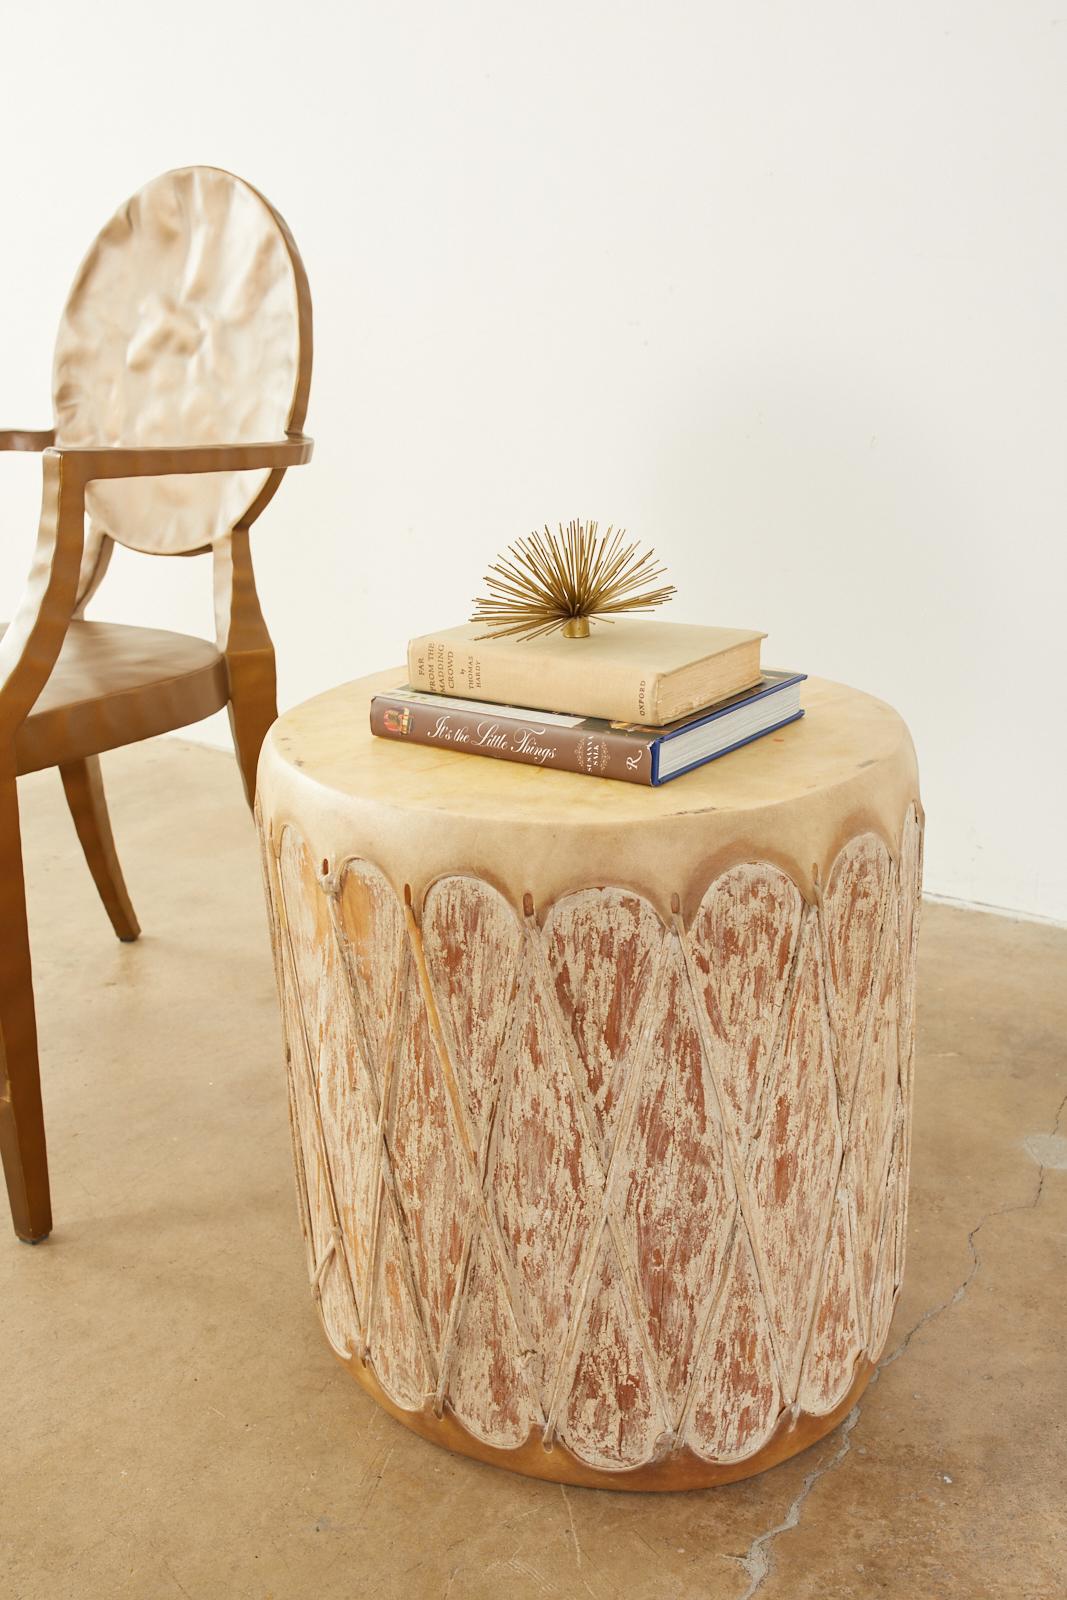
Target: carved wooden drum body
[[600, 1095]]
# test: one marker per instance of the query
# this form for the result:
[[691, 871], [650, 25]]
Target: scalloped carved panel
[[635, 1187]]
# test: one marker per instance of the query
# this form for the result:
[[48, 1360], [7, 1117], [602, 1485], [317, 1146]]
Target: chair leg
[[83, 786], [22, 1142], [253, 708]]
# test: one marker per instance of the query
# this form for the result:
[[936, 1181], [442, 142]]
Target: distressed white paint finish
[[875, 1105], [890, 1251], [798, 1153], [472, 944], [680, 1199], [735, 1397], [743, 944], [318, 1048], [909, 885], [836, 1336], [602, 946], [637, 1185], [539, 1181], [612, 1416], [488, 1381]]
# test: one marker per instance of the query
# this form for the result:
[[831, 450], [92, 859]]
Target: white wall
[[780, 287]]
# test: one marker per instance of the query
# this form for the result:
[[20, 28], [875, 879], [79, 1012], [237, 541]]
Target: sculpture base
[[680, 1470]]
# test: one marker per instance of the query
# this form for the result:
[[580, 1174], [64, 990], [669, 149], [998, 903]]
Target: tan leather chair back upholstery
[[189, 323]]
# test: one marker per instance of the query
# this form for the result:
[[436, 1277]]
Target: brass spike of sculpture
[[559, 581]]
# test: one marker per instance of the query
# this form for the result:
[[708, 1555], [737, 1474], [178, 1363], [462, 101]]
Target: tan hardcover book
[[633, 670]]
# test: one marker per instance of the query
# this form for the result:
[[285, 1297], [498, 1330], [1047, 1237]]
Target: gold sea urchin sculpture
[[552, 581]]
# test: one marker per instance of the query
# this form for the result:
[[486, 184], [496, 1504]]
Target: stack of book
[[642, 701]]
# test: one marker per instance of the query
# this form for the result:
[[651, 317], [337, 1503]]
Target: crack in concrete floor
[[758, 1563]]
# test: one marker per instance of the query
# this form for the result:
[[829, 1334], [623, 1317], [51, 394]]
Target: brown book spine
[[536, 744]]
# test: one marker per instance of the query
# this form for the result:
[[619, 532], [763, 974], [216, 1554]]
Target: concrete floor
[[174, 1424]]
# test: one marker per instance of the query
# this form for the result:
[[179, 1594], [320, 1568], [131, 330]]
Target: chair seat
[[114, 685]]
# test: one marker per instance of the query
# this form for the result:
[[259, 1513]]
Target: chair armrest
[[29, 649], [90, 462], [31, 644], [26, 438]]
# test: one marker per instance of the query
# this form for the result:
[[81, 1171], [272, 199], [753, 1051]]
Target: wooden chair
[[185, 343]]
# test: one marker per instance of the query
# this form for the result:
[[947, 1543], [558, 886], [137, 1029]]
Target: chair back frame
[[69, 562]]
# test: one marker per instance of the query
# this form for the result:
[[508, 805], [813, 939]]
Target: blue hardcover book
[[620, 750]]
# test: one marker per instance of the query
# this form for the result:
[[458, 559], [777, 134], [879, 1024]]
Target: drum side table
[[600, 1095]]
